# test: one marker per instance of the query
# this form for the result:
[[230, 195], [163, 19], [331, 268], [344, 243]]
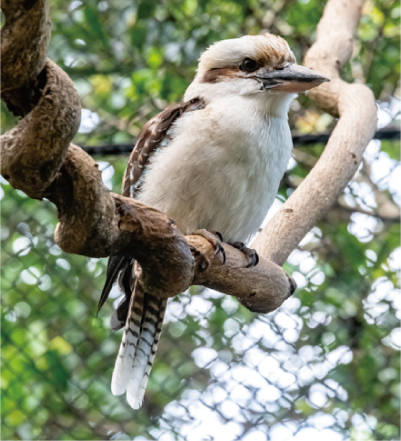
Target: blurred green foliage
[[128, 59]]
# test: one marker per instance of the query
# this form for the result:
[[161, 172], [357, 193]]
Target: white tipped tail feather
[[138, 346]]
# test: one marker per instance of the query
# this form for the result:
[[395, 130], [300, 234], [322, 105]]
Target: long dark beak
[[292, 78]]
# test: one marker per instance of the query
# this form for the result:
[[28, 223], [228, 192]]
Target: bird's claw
[[220, 249], [251, 254], [215, 238], [216, 233]]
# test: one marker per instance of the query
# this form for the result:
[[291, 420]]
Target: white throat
[[223, 167]]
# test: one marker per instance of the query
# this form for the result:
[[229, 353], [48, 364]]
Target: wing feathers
[[144, 313], [114, 266], [149, 139]]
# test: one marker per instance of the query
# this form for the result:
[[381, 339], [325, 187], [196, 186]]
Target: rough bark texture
[[354, 104], [37, 157], [24, 41]]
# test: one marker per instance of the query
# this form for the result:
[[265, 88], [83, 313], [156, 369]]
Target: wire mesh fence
[[325, 364]]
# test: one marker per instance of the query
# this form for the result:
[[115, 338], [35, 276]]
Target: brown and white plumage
[[141, 312], [212, 162]]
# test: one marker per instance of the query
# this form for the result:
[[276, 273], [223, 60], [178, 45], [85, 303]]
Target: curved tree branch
[[354, 104], [37, 157], [24, 42]]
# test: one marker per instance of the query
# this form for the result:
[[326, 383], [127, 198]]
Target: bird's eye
[[249, 65]]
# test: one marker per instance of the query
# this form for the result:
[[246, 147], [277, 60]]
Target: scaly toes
[[215, 238], [250, 253], [216, 233]]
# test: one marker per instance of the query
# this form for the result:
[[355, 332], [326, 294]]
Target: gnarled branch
[[37, 157]]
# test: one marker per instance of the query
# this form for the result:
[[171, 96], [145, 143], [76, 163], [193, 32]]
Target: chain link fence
[[221, 373], [325, 365]]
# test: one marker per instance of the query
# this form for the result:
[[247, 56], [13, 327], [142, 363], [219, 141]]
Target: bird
[[213, 164]]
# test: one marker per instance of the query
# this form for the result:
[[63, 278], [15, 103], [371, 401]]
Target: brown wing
[[149, 139]]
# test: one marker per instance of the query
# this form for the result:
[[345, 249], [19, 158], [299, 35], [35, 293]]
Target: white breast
[[222, 170]]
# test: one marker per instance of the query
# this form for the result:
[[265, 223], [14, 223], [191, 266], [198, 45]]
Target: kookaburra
[[213, 162]]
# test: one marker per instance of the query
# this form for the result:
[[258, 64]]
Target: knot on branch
[[152, 238]]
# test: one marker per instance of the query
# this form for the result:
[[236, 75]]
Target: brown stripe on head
[[273, 50], [222, 60], [220, 74]]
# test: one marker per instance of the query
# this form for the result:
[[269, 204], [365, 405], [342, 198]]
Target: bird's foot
[[250, 253], [215, 238]]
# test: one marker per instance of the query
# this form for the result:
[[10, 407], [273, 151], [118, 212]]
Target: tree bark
[[39, 159]]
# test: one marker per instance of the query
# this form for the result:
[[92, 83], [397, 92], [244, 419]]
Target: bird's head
[[252, 65]]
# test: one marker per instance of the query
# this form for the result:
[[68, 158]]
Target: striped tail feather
[[154, 310], [126, 354], [138, 346]]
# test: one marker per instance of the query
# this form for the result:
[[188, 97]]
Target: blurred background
[[325, 364]]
